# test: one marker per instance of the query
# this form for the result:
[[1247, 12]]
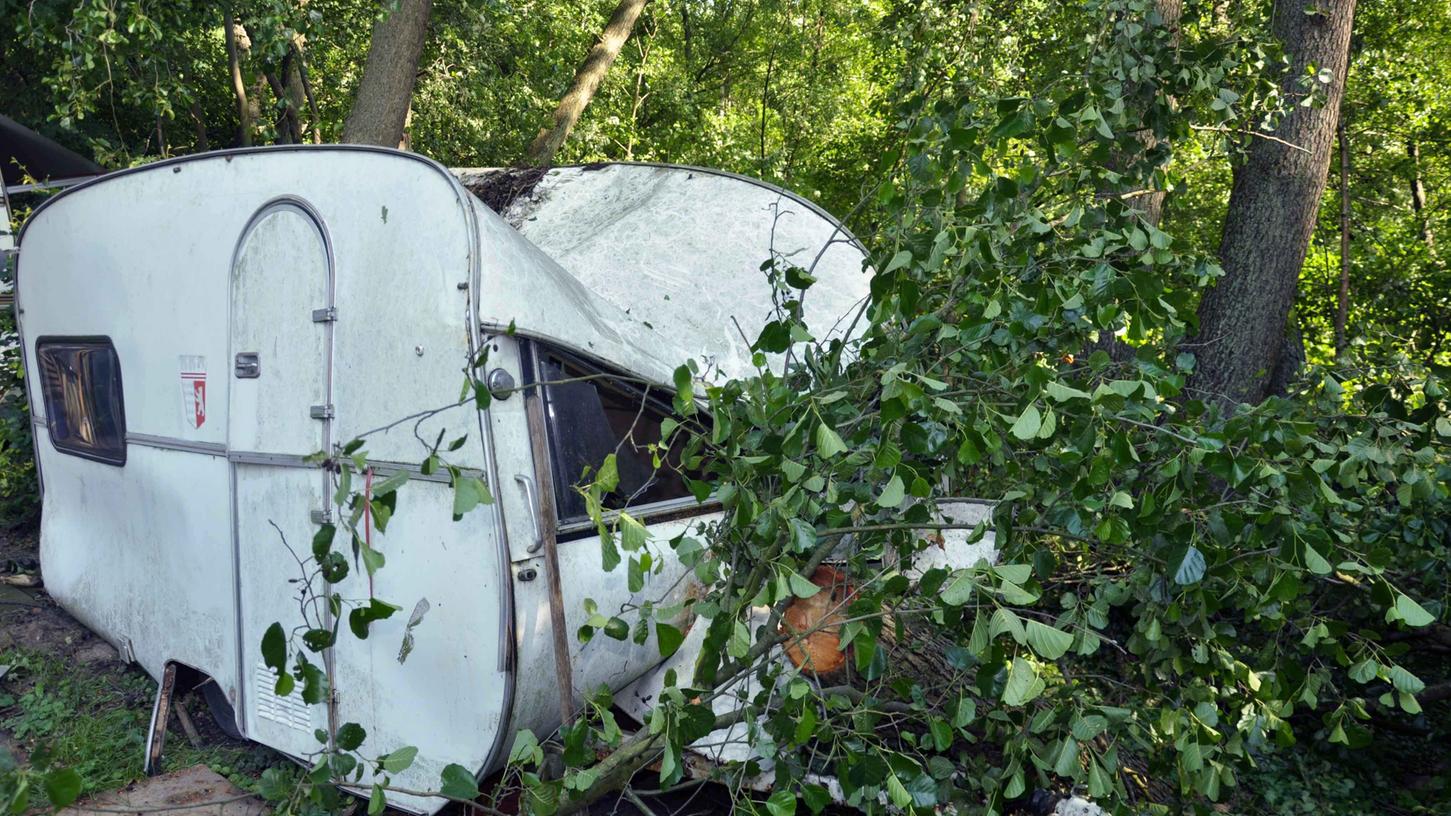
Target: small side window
[[591, 418], [81, 384]]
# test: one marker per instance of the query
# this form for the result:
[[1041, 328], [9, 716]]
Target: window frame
[[97, 341], [573, 527]]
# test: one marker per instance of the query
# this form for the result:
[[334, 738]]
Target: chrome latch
[[322, 516], [327, 315], [321, 411], [248, 365]]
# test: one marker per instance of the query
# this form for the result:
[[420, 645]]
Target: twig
[[1257, 134]]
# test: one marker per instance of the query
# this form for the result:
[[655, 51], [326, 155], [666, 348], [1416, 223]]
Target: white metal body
[[181, 553]]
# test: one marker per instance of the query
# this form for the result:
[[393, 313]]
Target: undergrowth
[[95, 723]]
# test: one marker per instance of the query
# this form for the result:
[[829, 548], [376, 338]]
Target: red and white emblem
[[193, 389]]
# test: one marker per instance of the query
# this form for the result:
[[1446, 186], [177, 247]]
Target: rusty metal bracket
[[160, 715]]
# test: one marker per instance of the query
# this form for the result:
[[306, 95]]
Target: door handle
[[533, 501], [247, 366]]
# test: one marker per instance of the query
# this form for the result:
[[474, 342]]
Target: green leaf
[[1067, 763], [828, 441], [1315, 562], [62, 786], [1062, 393], [457, 782], [816, 797], [469, 492], [526, 748], [1086, 729], [377, 800], [896, 792], [322, 541], [391, 484], [1406, 682], [1364, 671], [1049, 642], [1028, 424], [1006, 620], [398, 761], [965, 712], [800, 586], [1413, 613], [669, 638], [274, 648], [351, 736], [1024, 685], [1121, 499], [893, 494], [960, 590], [632, 533], [901, 259], [781, 803], [1191, 567]]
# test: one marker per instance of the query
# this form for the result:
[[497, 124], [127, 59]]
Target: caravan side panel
[[149, 550]]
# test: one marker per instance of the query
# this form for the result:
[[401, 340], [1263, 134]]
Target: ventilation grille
[[290, 711]]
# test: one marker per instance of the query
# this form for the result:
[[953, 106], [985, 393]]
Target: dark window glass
[[81, 383], [589, 420]]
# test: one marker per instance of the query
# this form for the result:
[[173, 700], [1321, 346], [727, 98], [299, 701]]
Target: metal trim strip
[[172, 443]]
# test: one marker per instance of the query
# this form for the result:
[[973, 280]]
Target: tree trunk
[[239, 88], [1342, 304], [1151, 203], [586, 81], [1272, 207], [381, 106], [1148, 201], [1418, 196], [306, 85]]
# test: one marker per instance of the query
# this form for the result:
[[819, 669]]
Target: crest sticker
[[193, 389]]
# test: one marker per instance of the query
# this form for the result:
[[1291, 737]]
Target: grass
[[94, 720]]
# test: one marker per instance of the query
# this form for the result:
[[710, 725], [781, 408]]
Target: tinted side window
[[589, 420], [81, 386]]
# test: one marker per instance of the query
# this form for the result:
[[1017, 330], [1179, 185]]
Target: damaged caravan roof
[[682, 248]]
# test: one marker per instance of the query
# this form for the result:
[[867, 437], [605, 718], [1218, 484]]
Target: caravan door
[[279, 414]]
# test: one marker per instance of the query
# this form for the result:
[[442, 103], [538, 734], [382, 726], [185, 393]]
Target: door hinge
[[328, 315], [322, 516], [322, 411]]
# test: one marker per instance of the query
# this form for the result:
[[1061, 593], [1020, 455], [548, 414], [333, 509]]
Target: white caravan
[[195, 329]]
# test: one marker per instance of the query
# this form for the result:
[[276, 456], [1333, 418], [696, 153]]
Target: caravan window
[[81, 384], [592, 418]]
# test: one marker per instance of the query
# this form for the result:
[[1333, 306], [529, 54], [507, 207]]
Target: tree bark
[[1272, 206], [1418, 196], [586, 81], [306, 86], [1151, 203], [239, 88], [381, 105], [1342, 304]]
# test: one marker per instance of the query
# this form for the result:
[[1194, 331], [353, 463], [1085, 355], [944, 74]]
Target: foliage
[[19, 496], [1181, 589], [91, 726]]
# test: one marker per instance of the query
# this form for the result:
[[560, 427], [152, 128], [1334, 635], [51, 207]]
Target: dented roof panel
[[679, 251]]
